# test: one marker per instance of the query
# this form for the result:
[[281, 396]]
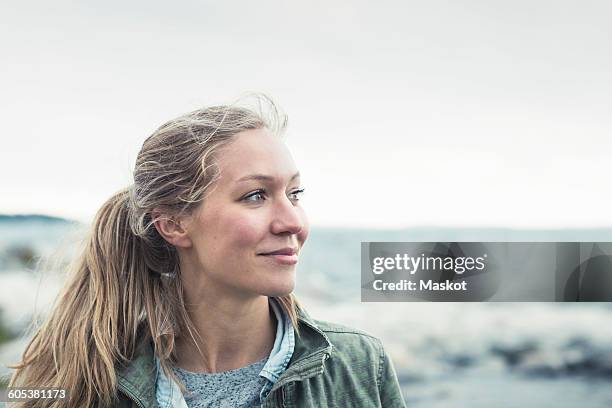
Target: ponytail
[[94, 326]]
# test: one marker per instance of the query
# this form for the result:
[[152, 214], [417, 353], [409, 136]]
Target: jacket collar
[[137, 380], [312, 347]]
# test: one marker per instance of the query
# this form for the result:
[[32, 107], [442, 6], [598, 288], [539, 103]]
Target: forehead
[[255, 152]]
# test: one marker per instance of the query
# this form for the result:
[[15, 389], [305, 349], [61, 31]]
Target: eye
[[255, 196], [295, 195]]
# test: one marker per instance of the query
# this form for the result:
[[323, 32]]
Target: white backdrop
[[402, 113]]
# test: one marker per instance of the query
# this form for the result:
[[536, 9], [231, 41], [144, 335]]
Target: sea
[[475, 355]]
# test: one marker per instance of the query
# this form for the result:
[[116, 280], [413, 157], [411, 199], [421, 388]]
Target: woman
[[183, 295]]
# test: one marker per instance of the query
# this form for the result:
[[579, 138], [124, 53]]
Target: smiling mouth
[[285, 256], [281, 251]]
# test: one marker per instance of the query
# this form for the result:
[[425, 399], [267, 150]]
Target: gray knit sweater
[[228, 389]]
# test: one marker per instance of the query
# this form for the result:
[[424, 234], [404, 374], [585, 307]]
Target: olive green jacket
[[331, 366]]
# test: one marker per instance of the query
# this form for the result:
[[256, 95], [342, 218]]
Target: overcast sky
[[477, 113]]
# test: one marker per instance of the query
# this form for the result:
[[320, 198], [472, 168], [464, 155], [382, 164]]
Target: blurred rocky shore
[[446, 354]]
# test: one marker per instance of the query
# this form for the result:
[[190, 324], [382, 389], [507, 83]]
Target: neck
[[233, 332]]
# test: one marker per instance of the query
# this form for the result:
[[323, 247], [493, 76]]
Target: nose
[[287, 218]]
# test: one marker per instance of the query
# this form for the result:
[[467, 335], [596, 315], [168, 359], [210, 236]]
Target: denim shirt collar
[[168, 393]]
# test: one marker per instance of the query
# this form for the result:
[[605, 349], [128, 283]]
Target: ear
[[171, 228]]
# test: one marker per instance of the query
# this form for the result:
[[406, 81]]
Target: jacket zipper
[[133, 397]]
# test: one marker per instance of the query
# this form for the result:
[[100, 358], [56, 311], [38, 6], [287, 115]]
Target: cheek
[[243, 231]]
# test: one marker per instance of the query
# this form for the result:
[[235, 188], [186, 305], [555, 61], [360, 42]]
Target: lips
[[282, 256], [281, 251]]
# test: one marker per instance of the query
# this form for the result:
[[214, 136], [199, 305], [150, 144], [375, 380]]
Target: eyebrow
[[263, 177]]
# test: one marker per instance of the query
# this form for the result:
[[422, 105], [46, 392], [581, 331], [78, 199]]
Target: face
[[248, 232]]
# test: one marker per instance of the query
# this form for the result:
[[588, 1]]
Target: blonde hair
[[124, 288]]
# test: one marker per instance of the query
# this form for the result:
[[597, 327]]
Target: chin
[[280, 291], [276, 283], [276, 289]]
